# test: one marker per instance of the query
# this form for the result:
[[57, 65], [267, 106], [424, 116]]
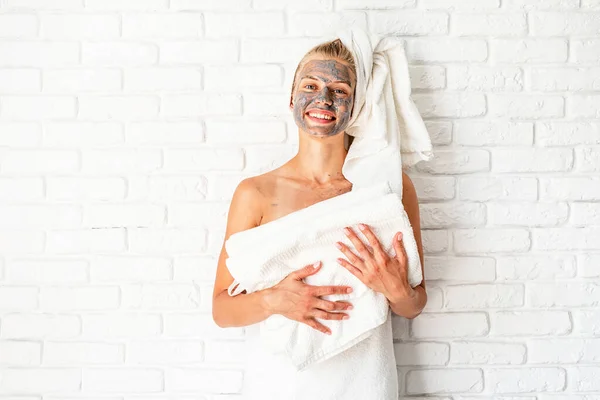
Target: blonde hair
[[332, 49]]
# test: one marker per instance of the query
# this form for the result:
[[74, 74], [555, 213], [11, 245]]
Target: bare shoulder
[[409, 193], [245, 209]]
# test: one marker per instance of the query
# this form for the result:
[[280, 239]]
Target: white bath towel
[[261, 257]]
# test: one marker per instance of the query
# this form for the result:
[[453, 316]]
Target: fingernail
[[400, 236], [316, 265], [345, 317], [347, 231], [362, 226], [350, 307], [328, 332], [349, 290], [338, 245]]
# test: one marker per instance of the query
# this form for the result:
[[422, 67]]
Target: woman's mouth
[[321, 118]]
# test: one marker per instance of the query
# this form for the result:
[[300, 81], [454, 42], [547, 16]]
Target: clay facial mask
[[324, 97]]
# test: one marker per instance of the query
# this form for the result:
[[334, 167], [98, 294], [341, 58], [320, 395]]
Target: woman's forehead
[[330, 68]]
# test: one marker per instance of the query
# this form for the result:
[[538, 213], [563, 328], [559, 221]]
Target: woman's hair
[[332, 49]]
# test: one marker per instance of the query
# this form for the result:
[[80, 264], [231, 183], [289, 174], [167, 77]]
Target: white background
[[125, 125]]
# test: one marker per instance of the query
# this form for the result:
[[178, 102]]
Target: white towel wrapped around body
[[262, 256]]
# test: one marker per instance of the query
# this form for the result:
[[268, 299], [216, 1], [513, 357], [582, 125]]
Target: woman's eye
[[307, 86], [340, 91]]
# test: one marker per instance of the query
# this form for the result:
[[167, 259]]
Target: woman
[[322, 102]]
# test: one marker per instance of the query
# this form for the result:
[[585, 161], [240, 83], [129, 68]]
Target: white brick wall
[[125, 125]]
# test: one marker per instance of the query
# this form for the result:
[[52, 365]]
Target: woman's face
[[324, 97]]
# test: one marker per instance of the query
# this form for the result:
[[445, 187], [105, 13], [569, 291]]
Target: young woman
[[322, 102]]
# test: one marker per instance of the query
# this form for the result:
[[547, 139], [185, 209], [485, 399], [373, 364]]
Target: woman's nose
[[325, 97]]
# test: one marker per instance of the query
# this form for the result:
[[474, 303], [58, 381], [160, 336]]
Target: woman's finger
[[355, 271], [373, 241], [328, 315], [400, 250], [357, 242], [313, 323], [349, 253]]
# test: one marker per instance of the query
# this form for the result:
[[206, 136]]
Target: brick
[[121, 325], [496, 133], [165, 352], [31, 108], [493, 24], [167, 79], [250, 25], [226, 352], [130, 269], [435, 188], [487, 353], [18, 299], [22, 241], [146, 5], [538, 267], [450, 215], [586, 50], [483, 78], [48, 271], [588, 264], [73, 134], [79, 298], [38, 54], [291, 5], [201, 105], [585, 214], [526, 106], [205, 159], [525, 51], [480, 296], [123, 380], [79, 26], [553, 239], [526, 380], [162, 26], [21, 353], [468, 269], [197, 215], [43, 4], [200, 268], [119, 54], [374, 4], [40, 161], [234, 78], [583, 106], [529, 214], [324, 24], [446, 50], [166, 241], [564, 351], [195, 379], [199, 52], [40, 216], [266, 104], [497, 188], [15, 80], [149, 296], [222, 132], [567, 294], [532, 160], [446, 162], [122, 161], [450, 105], [530, 323], [431, 325], [411, 23], [18, 26], [542, 4], [20, 134], [427, 77], [564, 79], [584, 379], [590, 4], [21, 189], [85, 189], [444, 380], [574, 188], [165, 133], [424, 353], [168, 188], [40, 326], [559, 133], [435, 241], [82, 80], [69, 353], [463, 5], [85, 241], [49, 380], [276, 50], [491, 240], [124, 215], [205, 5], [192, 325], [586, 322], [118, 107], [587, 159], [554, 23]]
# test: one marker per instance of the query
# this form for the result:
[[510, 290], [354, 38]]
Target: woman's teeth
[[320, 116]]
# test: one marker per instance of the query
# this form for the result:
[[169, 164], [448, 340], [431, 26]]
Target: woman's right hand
[[296, 300]]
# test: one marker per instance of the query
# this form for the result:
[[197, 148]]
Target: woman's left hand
[[374, 267]]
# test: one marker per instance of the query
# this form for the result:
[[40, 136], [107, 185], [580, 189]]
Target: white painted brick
[[578, 188], [20, 134], [530, 323], [31, 108], [450, 215], [85, 189], [40, 161], [19, 353], [532, 160], [561, 351], [79, 298], [79, 26], [85, 241], [21, 189], [559, 133], [554, 23], [563, 79], [155, 79], [517, 51], [146, 5], [423, 353], [586, 322], [446, 50], [429, 325], [191, 214], [226, 352], [130, 269], [165, 133], [40, 216], [568, 396], [484, 296], [123, 380], [526, 380], [444, 381], [192, 325], [165, 352], [162, 26], [291, 5], [224, 132], [262, 158], [483, 78], [322, 24], [118, 54], [205, 159], [38, 54], [463, 5], [435, 188], [427, 77], [450, 105], [118, 107], [584, 379], [536, 267], [18, 26], [583, 106], [266, 104], [28, 380], [587, 159], [121, 325], [82, 134], [15, 80], [586, 50], [529, 106], [221, 187], [69, 353], [18, 299], [43, 4], [542, 4], [563, 294], [82, 80], [237, 24], [481, 24], [435, 241], [468, 269], [530, 214], [435, 299], [239, 77], [585, 214], [46, 326], [491, 240], [497, 188], [276, 50], [493, 353], [48, 271], [409, 22], [225, 5], [180, 296], [198, 52], [168, 188], [200, 105], [590, 4], [493, 133], [588, 265], [199, 268], [124, 215], [374, 4], [166, 241], [121, 161], [455, 162], [586, 238], [22, 241], [203, 380]]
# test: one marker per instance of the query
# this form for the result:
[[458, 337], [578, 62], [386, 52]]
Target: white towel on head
[[388, 130]]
